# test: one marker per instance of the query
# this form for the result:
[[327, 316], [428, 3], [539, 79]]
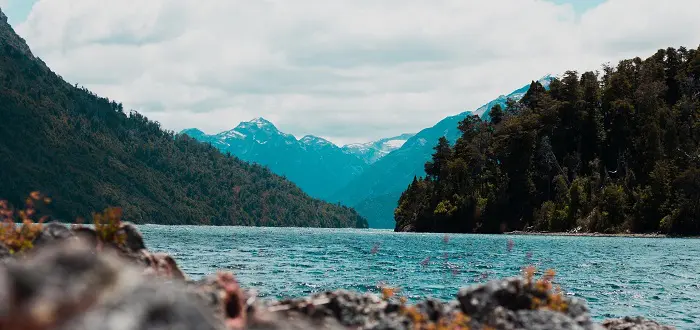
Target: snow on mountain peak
[[370, 152], [312, 139], [394, 144], [232, 134], [259, 123]]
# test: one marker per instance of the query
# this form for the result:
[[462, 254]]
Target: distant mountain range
[[366, 176], [317, 165], [371, 152]]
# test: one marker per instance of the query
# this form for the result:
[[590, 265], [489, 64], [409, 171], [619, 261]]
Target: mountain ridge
[[317, 165], [87, 154]]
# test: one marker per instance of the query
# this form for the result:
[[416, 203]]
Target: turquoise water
[[655, 277]]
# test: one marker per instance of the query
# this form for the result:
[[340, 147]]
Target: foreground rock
[[634, 323], [71, 280]]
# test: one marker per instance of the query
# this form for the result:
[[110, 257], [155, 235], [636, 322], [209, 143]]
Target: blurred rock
[[52, 232], [634, 323]]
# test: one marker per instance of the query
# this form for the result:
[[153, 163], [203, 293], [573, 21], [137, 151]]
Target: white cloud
[[346, 70]]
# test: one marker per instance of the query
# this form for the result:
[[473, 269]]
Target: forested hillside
[[87, 153], [613, 151]]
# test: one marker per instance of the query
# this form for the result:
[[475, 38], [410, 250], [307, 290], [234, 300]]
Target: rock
[[149, 305], [4, 253], [86, 234], [134, 240], [71, 287], [222, 293], [159, 264], [51, 285], [634, 323], [508, 304], [51, 232]]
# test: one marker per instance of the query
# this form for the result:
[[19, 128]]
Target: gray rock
[[134, 240], [69, 286], [52, 232], [49, 286], [545, 320], [149, 305], [507, 304], [4, 253], [634, 323]]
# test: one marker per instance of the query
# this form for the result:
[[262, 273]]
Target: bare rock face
[[634, 323]]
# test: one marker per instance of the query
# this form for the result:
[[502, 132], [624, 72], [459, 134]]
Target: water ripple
[[654, 277]]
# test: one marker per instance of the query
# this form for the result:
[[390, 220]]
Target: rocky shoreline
[[583, 234], [73, 279]]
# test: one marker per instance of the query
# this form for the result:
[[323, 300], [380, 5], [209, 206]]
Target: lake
[[655, 277]]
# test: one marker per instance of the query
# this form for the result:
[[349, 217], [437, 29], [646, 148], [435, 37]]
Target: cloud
[[349, 71]]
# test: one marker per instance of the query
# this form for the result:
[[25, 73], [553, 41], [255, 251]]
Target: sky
[[346, 70]]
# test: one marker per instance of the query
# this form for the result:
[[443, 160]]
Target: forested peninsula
[[615, 151]]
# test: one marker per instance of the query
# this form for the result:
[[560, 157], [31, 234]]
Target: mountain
[[371, 152], [318, 166], [87, 154], [375, 192]]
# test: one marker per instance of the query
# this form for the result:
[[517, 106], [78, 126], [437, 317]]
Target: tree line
[[610, 151]]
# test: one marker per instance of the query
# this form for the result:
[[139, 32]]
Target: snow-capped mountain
[[371, 152], [367, 176], [317, 165]]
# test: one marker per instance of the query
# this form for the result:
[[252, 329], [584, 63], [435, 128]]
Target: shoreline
[[630, 235]]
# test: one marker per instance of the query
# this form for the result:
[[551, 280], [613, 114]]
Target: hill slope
[[318, 166], [86, 153]]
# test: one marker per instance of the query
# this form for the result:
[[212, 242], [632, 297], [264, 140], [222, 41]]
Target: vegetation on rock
[[21, 238], [616, 151]]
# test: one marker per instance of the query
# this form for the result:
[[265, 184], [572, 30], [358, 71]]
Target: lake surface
[[654, 277]]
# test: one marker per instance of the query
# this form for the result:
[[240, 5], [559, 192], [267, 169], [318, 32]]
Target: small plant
[[552, 297], [108, 226], [388, 292], [20, 238]]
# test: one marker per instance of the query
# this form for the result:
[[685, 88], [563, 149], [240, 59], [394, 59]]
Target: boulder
[[52, 232], [634, 323]]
